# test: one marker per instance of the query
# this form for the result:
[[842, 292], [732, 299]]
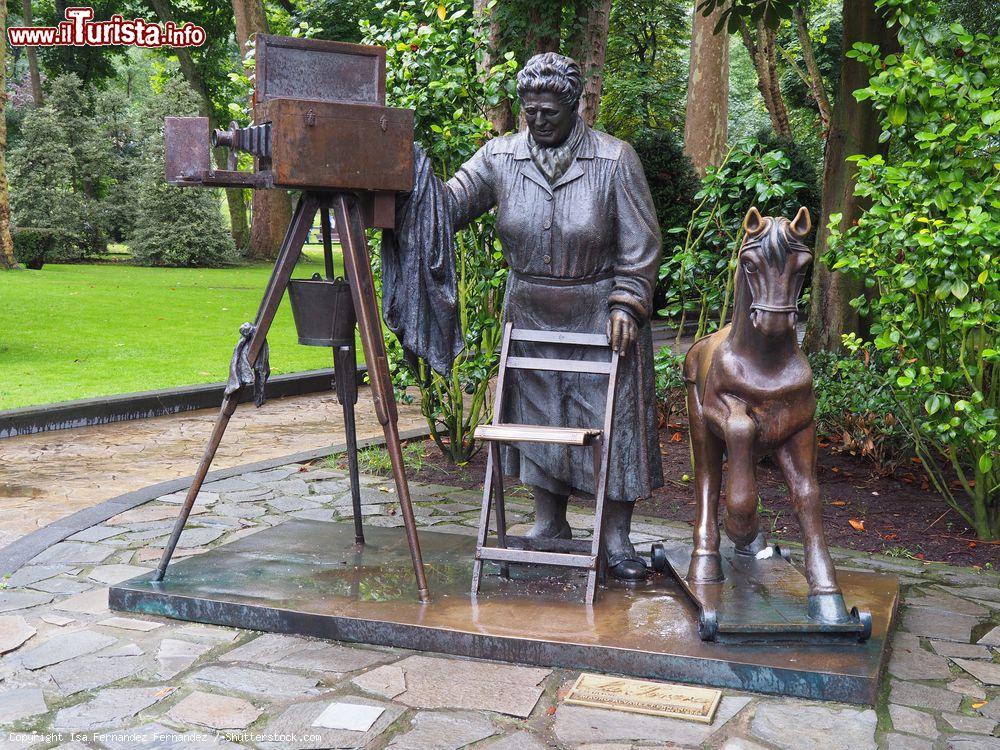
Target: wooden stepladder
[[521, 549]]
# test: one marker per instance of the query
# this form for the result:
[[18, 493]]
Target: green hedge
[[33, 246]]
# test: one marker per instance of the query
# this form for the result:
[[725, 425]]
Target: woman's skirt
[[538, 397]]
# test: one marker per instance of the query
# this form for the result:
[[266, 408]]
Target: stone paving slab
[[577, 725], [433, 682], [14, 632], [179, 683], [814, 727]]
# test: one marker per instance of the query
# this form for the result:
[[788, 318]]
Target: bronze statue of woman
[[576, 222]]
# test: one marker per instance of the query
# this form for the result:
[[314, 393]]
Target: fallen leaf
[[675, 438], [550, 710], [856, 524], [979, 705], [838, 503]]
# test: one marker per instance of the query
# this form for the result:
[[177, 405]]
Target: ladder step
[[530, 433], [501, 554]]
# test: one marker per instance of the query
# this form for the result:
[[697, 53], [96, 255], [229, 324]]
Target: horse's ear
[[801, 224], [753, 222]]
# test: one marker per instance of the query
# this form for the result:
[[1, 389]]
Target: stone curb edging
[[18, 553], [88, 412]]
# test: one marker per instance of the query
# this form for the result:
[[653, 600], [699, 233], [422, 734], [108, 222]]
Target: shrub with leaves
[[856, 409], [435, 67], [58, 171], [928, 248], [174, 226], [670, 388], [673, 184], [35, 246], [699, 258]]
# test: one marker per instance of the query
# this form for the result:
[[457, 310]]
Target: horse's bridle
[[759, 305]]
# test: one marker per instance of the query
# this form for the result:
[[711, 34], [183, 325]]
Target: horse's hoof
[[828, 608], [756, 545], [705, 568]]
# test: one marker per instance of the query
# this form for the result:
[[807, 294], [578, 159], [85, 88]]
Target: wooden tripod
[[347, 213]]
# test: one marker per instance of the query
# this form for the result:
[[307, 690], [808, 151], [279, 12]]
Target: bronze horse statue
[[749, 395]]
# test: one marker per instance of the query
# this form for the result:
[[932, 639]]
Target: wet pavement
[[76, 675], [50, 475]]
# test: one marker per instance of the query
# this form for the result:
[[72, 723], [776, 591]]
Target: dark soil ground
[[897, 515]]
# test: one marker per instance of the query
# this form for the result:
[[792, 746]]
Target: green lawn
[[75, 331]]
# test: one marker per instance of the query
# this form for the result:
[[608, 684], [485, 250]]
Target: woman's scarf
[[553, 161]]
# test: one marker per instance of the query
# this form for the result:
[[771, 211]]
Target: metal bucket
[[323, 311]]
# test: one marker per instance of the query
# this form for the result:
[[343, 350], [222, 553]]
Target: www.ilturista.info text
[[80, 30]]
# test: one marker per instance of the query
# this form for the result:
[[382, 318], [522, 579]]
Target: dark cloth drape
[[419, 290]]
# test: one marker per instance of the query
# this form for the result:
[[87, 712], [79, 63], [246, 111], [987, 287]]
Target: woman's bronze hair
[[553, 73]]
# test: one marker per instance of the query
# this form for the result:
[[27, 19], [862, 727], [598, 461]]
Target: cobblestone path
[[75, 675], [52, 474]]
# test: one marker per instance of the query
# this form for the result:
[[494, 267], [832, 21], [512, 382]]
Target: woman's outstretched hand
[[622, 331]]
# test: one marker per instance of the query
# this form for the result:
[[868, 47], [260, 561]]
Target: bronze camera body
[[321, 124]]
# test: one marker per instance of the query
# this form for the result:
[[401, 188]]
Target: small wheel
[[658, 557], [708, 625], [865, 618], [783, 552]]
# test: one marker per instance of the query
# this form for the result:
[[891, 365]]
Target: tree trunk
[[544, 26], [7, 261], [761, 46], [236, 200], [33, 75], [589, 49], [271, 209], [502, 115], [706, 120], [815, 81], [854, 129]]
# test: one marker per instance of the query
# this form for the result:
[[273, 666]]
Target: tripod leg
[[291, 247], [345, 367], [359, 274]]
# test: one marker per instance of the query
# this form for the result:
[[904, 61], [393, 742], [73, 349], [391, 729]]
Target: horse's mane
[[776, 242]]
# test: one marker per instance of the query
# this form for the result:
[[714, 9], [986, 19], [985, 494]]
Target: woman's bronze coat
[[577, 249]]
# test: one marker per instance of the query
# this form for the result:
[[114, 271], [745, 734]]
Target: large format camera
[[321, 124]]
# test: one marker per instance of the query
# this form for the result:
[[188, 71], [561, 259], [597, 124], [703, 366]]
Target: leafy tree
[[645, 69], [673, 184], [174, 226], [209, 71], [927, 247], [7, 260], [435, 68], [91, 65], [88, 150], [700, 258], [339, 20], [58, 170]]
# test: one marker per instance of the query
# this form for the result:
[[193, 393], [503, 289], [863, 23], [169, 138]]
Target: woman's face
[[549, 120]]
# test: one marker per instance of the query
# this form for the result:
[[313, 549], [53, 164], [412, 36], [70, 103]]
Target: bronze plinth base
[[309, 578]]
